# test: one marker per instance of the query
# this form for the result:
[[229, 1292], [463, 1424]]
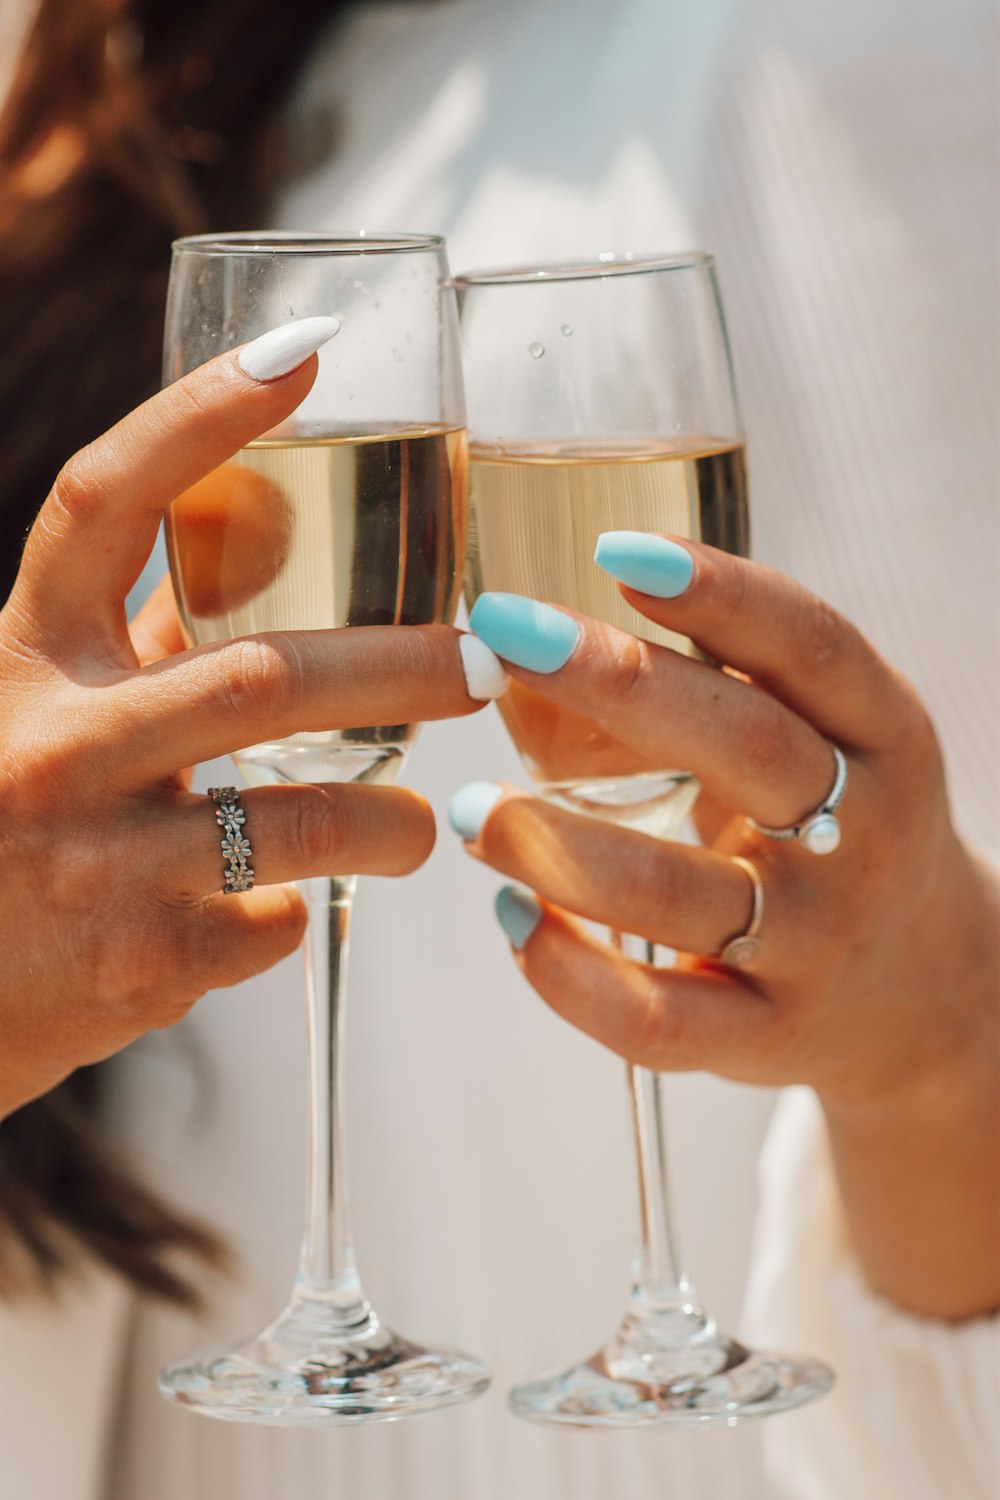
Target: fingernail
[[525, 632], [650, 564], [485, 677], [281, 350], [518, 912], [471, 806]]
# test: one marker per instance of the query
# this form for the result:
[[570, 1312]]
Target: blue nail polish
[[650, 564], [471, 806], [525, 632], [518, 912]]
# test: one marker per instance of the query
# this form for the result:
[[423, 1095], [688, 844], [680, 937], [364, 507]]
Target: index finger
[[769, 627], [95, 530], [229, 695]]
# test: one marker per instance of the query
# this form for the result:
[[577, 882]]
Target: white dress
[[836, 159]]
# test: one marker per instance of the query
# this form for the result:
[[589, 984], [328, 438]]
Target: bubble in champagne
[[536, 350]]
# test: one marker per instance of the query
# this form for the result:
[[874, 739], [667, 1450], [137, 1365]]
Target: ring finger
[[294, 832], [681, 896]]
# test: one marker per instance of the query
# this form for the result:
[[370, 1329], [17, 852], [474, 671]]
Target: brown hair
[[125, 125]]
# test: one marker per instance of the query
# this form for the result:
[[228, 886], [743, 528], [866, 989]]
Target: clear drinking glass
[[353, 512], [601, 397]]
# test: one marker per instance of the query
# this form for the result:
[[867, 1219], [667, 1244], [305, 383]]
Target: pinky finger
[[671, 1020], [231, 938]]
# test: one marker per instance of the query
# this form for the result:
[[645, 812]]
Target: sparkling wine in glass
[[352, 512], [601, 398]]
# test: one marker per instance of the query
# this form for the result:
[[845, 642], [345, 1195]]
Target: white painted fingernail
[[281, 350], [485, 678]]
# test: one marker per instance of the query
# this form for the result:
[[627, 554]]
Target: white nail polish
[[281, 350], [484, 676]]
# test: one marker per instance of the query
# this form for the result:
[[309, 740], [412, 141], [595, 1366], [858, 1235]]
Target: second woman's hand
[[878, 969]]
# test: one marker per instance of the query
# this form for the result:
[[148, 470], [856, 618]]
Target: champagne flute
[[353, 512], [601, 397]]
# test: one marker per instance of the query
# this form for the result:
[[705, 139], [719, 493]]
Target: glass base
[[641, 1379], [293, 1375]]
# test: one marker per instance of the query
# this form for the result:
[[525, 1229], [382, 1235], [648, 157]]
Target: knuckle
[[158, 1005], [822, 634], [164, 1009], [72, 869], [257, 677], [79, 486], [630, 671], [183, 402], [319, 831]]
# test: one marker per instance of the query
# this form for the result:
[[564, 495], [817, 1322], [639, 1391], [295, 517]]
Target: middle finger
[[219, 698], [678, 895], [749, 750]]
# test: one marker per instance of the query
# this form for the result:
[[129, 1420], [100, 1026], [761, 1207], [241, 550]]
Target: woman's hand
[[878, 971], [113, 917]]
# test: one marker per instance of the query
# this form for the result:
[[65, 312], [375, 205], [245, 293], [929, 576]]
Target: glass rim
[[608, 263], [306, 242]]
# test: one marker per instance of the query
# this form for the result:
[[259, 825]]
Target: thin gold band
[[744, 947]]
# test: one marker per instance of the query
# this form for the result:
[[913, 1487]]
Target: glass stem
[[658, 1283], [327, 1271]]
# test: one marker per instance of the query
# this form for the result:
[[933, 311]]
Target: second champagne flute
[[601, 398], [352, 513]]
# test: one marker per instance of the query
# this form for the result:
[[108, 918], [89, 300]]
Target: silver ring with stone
[[235, 845], [744, 947], [818, 831]]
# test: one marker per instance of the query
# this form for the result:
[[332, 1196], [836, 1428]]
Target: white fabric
[[838, 159], [913, 1415]]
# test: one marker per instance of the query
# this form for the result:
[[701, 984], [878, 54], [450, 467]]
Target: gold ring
[[744, 947]]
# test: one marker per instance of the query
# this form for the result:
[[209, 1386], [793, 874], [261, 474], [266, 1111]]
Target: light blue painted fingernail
[[650, 564], [525, 632], [518, 912], [471, 806]]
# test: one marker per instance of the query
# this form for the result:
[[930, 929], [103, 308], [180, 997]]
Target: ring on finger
[[235, 845], [818, 831], [744, 947]]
